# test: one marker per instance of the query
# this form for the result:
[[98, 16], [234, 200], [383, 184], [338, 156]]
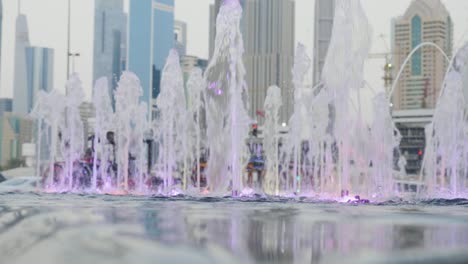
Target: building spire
[[19, 7]]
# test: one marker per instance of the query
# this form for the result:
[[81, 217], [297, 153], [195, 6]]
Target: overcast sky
[[47, 21]]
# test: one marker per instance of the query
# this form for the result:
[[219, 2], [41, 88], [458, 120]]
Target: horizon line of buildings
[[140, 41]]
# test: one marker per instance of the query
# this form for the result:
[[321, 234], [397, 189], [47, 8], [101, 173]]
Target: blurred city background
[[42, 42]]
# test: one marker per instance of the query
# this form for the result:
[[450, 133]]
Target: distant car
[[20, 184]]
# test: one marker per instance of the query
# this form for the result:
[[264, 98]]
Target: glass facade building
[[109, 41], [416, 37], [39, 73], [151, 37], [324, 16], [424, 21], [1, 22], [20, 82]]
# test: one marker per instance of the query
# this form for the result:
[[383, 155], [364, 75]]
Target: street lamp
[[68, 39]]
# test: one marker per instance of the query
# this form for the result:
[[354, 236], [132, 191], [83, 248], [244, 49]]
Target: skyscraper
[[109, 40], [151, 37], [20, 87], [324, 16], [180, 37], [268, 29], [39, 74], [269, 52], [1, 23], [420, 84]]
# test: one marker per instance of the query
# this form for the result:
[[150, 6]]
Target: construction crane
[[388, 67]]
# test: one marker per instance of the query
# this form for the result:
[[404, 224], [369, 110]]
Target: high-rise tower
[[110, 24], [20, 90], [420, 83], [324, 15], [151, 37]]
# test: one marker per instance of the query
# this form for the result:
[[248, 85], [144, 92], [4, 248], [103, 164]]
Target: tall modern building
[[420, 84], [151, 37], [268, 29], [110, 25], [269, 52], [324, 16], [180, 37], [39, 74], [1, 23], [20, 86]]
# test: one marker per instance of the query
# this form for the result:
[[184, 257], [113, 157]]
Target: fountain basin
[[58, 228]]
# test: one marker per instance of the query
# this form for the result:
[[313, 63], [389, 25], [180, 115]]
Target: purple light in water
[[227, 2], [212, 86]]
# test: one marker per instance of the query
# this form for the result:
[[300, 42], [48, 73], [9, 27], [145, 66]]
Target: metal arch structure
[[403, 66], [450, 66]]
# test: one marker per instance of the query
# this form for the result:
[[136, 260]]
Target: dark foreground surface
[[66, 228]]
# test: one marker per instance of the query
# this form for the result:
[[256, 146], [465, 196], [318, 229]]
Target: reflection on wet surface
[[105, 229]]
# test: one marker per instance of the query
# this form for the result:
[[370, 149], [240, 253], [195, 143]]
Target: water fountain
[[346, 55], [271, 139], [445, 165], [72, 137], [195, 90], [384, 154], [171, 103], [318, 157], [129, 127], [138, 148], [321, 157], [331, 152], [294, 141], [103, 154], [49, 111], [227, 119]]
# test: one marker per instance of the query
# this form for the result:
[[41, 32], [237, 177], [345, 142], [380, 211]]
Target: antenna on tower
[[19, 7]]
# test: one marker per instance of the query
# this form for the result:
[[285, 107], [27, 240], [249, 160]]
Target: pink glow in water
[[355, 164], [212, 86], [230, 2]]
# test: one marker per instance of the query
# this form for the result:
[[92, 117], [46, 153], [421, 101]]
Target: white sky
[[47, 21]]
